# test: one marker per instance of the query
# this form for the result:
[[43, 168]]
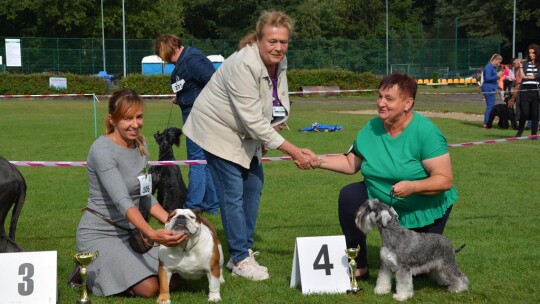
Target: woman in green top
[[405, 162]]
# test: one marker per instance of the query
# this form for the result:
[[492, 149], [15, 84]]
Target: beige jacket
[[232, 116]]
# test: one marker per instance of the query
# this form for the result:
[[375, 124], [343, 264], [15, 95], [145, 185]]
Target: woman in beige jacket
[[233, 120]]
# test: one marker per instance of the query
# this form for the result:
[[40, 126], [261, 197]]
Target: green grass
[[497, 213]]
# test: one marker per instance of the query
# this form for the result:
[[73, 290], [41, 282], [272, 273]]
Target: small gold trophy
[[351, 254], [84, 259]]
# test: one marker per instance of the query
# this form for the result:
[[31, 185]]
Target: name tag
[[145, 182], [279, 112], [177, 86]]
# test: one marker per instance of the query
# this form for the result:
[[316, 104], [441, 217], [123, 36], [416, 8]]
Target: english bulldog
[[199, 255]]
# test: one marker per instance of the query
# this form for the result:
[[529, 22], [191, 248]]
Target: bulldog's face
[[184, 220]]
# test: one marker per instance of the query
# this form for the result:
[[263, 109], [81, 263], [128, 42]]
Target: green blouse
[[387, 160]]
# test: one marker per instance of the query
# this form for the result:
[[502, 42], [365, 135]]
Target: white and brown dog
[[199, 255]]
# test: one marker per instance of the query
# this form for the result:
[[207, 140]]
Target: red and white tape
[[44, 95], [21, 163]]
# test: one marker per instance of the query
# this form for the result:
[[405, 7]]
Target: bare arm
[[440, 178], [348, 164]]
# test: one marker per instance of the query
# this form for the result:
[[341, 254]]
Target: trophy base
[[354, 290], [83, 301]]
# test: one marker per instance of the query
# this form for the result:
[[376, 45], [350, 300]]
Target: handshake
[[306, 159]]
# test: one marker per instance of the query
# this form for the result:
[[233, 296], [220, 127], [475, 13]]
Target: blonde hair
[[273, 18], [165, 46], [496, 56], [120, 104]]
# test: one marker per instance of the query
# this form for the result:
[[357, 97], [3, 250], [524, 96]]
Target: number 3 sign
[[28, 277], [320, 265]]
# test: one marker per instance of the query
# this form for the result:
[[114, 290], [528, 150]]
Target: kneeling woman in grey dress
[[116, 167]]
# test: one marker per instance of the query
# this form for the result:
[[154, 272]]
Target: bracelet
[[320, 161]]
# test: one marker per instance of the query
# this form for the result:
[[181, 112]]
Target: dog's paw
[[164, 299], [381, 290], [402, 297], [214, 297], [459, 287]]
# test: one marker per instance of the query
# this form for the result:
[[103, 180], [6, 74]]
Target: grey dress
[[113, 188]]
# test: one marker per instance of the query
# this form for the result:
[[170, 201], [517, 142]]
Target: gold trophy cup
[[351, 253], [84, 259]]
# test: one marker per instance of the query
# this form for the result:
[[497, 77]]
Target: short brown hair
[[273, 18], [406, 84], [165, 46]]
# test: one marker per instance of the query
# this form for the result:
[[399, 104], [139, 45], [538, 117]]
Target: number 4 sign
[[320, 265], [28, 277]]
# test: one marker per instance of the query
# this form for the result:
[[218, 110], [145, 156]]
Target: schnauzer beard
[[365, 219]]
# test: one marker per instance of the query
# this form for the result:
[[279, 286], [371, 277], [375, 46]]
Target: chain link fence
[[418, 57]]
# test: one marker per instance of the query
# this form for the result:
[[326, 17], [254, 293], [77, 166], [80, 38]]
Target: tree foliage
[[314, 19]]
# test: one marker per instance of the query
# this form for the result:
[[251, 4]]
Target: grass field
[[497, 213]]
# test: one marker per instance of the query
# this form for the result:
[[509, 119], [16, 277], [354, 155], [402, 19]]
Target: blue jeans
[[201, 193], [490, 103], [239, 194]]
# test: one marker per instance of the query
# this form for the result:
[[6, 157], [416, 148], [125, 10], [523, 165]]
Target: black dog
[[167, 180], [505, 114], [12, 193]]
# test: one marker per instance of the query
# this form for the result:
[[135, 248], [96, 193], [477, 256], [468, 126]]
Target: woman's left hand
[[404, 188]]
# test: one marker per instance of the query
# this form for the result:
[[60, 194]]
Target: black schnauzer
[[167, 180], [505, 113]]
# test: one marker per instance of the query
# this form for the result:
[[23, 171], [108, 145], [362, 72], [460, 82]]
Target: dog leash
[[170, 112], [391, 196]]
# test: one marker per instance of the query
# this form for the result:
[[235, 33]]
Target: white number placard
[[28, 277], [320, 265]]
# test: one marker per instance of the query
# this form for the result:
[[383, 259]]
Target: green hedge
[[344, 79], [18, 84]]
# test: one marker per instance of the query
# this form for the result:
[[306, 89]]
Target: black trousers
[[529, 106], [351, 197]]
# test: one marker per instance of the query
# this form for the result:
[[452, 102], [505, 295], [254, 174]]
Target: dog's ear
[[171, 215], [198, 213], [386, 217], [393, 212]]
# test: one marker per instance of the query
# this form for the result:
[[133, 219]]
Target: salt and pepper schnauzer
[[167, 180], [407, 253]]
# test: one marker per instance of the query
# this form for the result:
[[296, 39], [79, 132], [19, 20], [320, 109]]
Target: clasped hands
[[306, 159]]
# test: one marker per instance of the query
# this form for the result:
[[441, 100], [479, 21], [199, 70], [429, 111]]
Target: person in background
[[490, 85], [529, 94], [233, 120], [514, 86], [116, 169], [192, 71], [405, 163], [508, 78]]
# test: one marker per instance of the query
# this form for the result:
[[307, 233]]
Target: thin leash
[[391, 196], [170, 113]]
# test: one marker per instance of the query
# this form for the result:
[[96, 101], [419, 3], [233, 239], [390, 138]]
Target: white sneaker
[[253, 254], [250, 269]]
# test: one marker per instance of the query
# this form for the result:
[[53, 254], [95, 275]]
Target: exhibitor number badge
[[178, 85], [145, 181]]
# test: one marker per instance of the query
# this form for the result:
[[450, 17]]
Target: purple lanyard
[[276, 102]]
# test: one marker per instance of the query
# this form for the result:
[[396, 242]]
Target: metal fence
[[418, 57]]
